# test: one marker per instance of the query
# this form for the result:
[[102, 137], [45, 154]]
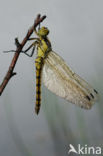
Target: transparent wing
[[62, 81]]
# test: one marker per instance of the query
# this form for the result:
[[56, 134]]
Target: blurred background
[[76, 34]]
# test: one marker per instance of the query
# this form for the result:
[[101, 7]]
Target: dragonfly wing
[[62, 81]]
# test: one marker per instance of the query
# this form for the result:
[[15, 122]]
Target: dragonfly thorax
[[43, 48]]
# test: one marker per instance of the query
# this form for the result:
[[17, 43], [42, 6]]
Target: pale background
[[76, 34]]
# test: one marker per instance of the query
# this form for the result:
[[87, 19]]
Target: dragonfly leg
[[32, 45], [25, 51], [33, 38], [30, 55]]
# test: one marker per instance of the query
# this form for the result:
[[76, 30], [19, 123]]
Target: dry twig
[[19, 46]]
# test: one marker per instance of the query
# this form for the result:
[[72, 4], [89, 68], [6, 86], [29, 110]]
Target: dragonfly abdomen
[[38, 64]]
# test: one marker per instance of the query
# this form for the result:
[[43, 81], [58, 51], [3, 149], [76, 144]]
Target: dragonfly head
[[43, 31]]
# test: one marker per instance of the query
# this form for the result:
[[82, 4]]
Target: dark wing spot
[[92, 95], [95, 91], [88, 97]]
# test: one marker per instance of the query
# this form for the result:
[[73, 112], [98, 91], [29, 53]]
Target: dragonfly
[[56, 75]]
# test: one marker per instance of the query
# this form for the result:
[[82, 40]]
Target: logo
[[84, 150]]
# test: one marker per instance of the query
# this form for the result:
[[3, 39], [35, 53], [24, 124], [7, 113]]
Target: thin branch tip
[[17, 43], [19, 47]]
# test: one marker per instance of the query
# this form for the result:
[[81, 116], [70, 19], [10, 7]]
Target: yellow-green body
[[43, 47]]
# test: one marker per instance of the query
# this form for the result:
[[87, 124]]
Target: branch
[[19, 48]]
